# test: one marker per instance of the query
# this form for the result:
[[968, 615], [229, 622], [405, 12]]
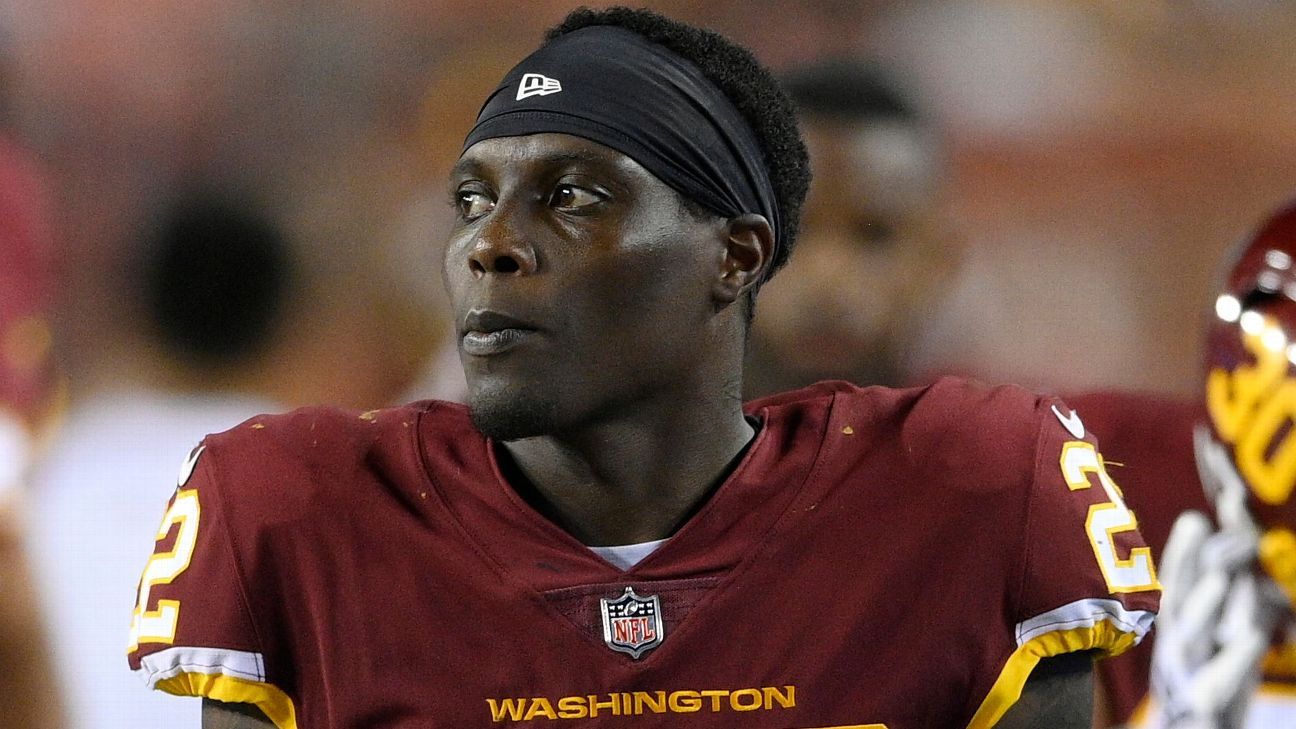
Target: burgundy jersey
[[879, 558], [1148, 445], [1149, 449]]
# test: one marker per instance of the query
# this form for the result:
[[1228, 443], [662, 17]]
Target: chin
[[513, 413]]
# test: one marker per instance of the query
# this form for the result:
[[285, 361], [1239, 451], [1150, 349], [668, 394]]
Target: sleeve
[[192, 633], [1088, 582]]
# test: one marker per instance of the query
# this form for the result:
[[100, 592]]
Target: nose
[[501, 249]]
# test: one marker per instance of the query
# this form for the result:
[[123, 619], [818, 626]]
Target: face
[[579, 282], [871, 251]]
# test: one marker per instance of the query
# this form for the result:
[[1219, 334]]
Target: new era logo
[[534, 84]]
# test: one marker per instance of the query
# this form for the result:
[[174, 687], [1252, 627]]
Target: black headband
[[617, 88]]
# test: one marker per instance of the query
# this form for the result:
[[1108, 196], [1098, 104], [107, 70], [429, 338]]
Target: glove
[[1218, 615]]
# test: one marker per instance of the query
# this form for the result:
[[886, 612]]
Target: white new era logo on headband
[[534, 84]]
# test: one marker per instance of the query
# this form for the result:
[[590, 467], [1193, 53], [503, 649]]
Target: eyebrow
[[468, 165], [464, 166]]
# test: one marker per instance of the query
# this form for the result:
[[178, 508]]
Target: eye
[[472, 203], [572, 198]]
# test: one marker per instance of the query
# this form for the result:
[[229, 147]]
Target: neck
[[634, 478]]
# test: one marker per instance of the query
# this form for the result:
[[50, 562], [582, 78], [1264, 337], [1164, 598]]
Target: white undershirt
[[625, 556]]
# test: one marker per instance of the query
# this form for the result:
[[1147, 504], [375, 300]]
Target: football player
[[606, 535], [875, 245], [92, 500], [1226, 649]]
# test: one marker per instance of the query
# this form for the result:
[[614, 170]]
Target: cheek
[[454, 268], [637, 308]]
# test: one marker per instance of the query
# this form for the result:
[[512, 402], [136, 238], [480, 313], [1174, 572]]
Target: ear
[[749, 252]]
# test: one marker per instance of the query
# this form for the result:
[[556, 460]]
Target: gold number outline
[[1077, 461], [186, 511]]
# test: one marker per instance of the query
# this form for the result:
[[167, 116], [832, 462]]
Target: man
[[874, 251], [215, 275], [606, 534], [215, 282], [875, 247]]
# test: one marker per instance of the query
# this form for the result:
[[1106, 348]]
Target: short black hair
[[749, 86], [217, 272], [849, 89]]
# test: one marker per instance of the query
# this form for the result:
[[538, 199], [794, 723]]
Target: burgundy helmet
[[1251, 386]]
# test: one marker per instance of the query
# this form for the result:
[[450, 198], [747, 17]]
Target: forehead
[[536, 152]]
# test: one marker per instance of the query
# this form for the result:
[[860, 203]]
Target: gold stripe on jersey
[[1008, 687], [273, 702], [1142, 712]]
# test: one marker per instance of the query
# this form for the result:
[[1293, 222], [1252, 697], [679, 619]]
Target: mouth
[[484, 332]]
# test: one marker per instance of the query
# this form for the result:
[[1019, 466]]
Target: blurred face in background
[[872, 254]]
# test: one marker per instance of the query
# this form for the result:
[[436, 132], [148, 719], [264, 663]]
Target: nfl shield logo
[[632, 624]]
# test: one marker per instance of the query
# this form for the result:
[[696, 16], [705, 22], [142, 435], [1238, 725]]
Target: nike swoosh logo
[[187, 468], [1070, 422]]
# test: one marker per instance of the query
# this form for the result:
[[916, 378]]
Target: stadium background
[[1103, 155]]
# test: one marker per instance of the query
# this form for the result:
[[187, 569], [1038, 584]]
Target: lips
[[486, 332]]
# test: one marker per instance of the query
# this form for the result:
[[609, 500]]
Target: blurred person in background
[[876, 249], [243, 228], [28, 695], [878, 253], [215, 285]]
